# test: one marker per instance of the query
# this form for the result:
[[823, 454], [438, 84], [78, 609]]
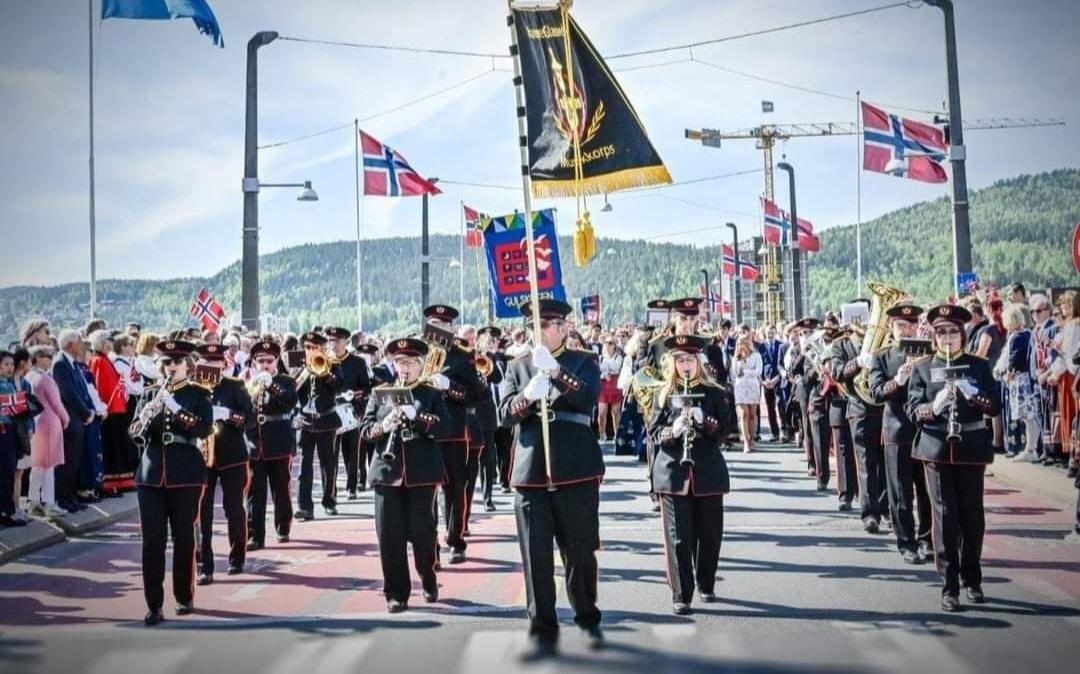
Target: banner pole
[[359, 206], [534, 292]]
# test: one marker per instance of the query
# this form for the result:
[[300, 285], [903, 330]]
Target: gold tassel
[[584, 241]]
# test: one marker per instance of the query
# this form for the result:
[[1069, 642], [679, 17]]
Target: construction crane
[[765, 137]]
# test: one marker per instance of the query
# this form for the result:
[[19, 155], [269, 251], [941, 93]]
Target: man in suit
[[80, 407], [771, 359]]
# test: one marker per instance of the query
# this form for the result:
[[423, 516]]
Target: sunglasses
[[1040, 310], [946, 332]]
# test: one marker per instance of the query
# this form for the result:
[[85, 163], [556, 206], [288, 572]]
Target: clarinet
[[953, 432], [691, 434]]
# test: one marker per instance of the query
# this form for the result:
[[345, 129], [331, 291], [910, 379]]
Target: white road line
[[490, 651], [160, 660], [320, 653]]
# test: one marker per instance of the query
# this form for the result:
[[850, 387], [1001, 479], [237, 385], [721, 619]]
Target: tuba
[[877, 335], [644, 388]]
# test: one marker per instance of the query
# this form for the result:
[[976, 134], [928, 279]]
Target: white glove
[[544, 361], [941, 401], [264, 379], [409, 411], [679, 427], [389, 422], [538, 387], [240, 358], [221, 413], [967, 388], [170, 402], [903, 375], [698, 415], [865, 360], [440, 381]]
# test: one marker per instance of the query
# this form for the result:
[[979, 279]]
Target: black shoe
[[431, 596], [871, 526], [506, 489], [252, 546], [69, 506], [304, 515], [9, 521], [235, 570], [153, 618], [457, 556], [910, 557], [184, 609], [950, 603], [352, 495], [709, 598], [283, 538], [395, 606], [823, 486], [595, 637], [656, 507], [466, 533], [362, 487], [489, 506], [926, 553], [844, 506], [975, 595], [680, 608], [330, 510], [539, 649], [811, 471], [205, 579]]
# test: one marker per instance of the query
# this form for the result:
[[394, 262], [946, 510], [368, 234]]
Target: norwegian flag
[[748, 271], [776, 222], [713, 302], [902, 147], [730, 265], [207, 310], [727, 263], [388, 174], [808, 241], [474, 236]]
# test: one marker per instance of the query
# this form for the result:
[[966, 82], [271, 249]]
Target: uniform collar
[[173, 388]]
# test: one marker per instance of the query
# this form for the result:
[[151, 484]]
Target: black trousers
[[274, 475], [956, 496], [847, 476], [321, 442], [405, 515], [349, 449], [818, 435], [870, 459], [905, 483], [162, 510], [489, 463], [67, 475], [504, 441], [570, 516], [472, 474], [693, 530], [455, 458], [234, 485], [771, 408]]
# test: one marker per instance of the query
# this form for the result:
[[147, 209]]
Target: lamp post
[[737, 311], [793, 244], [957, 152], [707, 295], [249, 276], [425, 251]]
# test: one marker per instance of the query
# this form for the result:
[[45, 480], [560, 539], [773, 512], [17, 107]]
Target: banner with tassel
[[583, 135]]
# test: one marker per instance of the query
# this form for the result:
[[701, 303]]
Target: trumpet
[[484, 365], [318, 364]]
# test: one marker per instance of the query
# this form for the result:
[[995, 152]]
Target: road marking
[[245, 593], [487, 649], [319, 654], [163, 660]]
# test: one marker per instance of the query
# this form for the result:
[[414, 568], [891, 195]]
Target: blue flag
[[508, 261], [196, 10]]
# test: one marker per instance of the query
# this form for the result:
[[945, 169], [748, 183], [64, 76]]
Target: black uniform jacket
[[273, 436], [381, 374], [324, 390], [897, 428], [485, 408], [709, 474], [230, 447], [417, 462], [352, 372], [838, 402], [575, 453], [171, 458], [464, 395], [974, 446], [844, 369]]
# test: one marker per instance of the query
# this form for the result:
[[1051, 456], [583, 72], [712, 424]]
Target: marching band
[[903, 414]]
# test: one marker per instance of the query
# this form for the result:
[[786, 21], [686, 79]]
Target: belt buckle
[[167, 438], [261, 419]]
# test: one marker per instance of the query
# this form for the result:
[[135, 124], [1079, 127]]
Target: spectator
[[575, 341], [34, 331], [146, 366], [117, 451], [1041, 354], [1063, 372], [8, 442], [93, 325], [975, 325], [746, 378], [91, 472], [991, 342], [24, 426], [610, 402], [1013, 368], [80, 408], [772, 350], [47, 445]]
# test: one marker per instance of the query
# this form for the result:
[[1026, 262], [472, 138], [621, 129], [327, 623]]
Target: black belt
[[964, 426], [168, 438], [267, 418], [572, 417]]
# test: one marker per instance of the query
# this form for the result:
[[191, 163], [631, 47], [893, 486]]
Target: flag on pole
[[590, 309], [808, 241], [727, 262], [901, 147], [197, 10], [474, 233], [731, 265], [387, 173], [776, 222], [207, 310]]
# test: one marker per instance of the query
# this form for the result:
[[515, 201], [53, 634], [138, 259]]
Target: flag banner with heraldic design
[[508, 260]]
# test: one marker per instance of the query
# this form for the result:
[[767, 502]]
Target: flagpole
[[93, 223], [858, 194], [461, 259], [359, 206], [534, 292]]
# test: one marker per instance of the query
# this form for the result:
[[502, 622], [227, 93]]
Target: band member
[[954, 444], [226, 455], [689, 472], [378, 373], [864, 423], [819, 393], [484, 414], [317, 388], [847, 480], [489, 367], [462, 389], [904, 477], [407, 467], [795, 366], [273, 441], [171, 478], [558, 485], [352, 372]]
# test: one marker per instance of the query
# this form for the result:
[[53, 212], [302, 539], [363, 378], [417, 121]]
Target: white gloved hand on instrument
[[697, 415], [440, 381], [221, 413], [903, 375], [941, 401], [679, 427], [865, 360], [967, 389], [389, 422], [544, 361], [170, 402], [538, 387], [409, 411]]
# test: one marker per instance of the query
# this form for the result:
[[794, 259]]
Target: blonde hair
[[670, 375], [742, 342], [1013, 317], [147, 342]]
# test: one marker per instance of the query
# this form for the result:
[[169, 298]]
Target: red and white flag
[[808, 241], [474, 236], [207, 310], [901, 147], [776, 222], [388, 174]]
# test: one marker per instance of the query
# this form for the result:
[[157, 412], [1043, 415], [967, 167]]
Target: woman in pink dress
[[47, 444]]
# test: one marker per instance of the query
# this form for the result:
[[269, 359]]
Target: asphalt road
[[802, 589]]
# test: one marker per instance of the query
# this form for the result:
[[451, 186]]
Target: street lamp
[[249, 276], [306, 194], [738, 291], [607, 206], [425, 251], [793, 244]]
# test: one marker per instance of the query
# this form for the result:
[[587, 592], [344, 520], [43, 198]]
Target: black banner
[[574, 94]]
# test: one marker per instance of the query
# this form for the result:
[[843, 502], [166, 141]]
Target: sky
[[169, 117]]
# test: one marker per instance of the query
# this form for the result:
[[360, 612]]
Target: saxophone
[[144, 414]]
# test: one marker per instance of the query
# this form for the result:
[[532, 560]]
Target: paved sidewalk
[[18, 541]]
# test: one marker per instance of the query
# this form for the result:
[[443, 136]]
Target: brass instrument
[[256, 389], [206, 446], [148, 408], [439, 341], [397, 397], [644, 387], [484, 365], [318, 364], [876, 334]]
